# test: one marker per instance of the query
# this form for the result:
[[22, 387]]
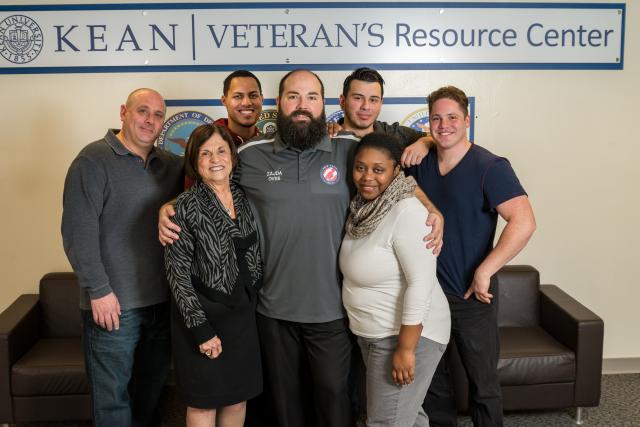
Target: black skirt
[[236, 374]]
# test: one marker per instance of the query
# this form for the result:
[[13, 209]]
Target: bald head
[[144, 92], [142, 118], [290, 74]]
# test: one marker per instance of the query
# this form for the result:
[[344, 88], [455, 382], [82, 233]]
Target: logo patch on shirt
[[274, 175], [329, 174]]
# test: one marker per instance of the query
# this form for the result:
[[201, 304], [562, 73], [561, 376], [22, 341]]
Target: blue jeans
[[127, 368]]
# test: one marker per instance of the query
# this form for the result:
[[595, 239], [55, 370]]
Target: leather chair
[[42, 375], [550, 347]]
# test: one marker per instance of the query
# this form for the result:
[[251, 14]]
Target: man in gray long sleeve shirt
[[112, 194]]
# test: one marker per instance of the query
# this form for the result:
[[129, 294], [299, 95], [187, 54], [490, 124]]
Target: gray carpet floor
[[619, 407]]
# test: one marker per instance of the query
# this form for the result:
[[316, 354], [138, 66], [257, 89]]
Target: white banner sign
[[326, 36]]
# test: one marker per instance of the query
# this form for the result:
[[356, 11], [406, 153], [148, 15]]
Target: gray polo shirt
[[300, 200], [110, 221]]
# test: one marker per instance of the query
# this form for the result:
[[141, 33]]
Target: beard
[[301, 135]]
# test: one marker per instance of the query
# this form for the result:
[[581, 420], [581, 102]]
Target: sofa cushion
[[529, 355], [53, 366]]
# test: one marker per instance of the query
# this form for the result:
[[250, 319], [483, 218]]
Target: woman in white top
[[395, 304]]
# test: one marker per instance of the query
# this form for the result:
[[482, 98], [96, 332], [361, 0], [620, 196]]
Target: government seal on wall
[[177, 129], [20, 39], [418, 120], [267, 121]]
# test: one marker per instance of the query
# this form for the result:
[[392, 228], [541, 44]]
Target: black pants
[[307, 369], [474, 329]]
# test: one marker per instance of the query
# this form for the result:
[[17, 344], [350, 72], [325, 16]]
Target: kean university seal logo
[[177, 129], [20, 39]]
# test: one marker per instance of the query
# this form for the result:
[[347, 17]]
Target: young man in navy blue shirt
[[471, 187]]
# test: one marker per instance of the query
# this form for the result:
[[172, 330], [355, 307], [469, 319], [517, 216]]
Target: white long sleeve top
[[390, 278]]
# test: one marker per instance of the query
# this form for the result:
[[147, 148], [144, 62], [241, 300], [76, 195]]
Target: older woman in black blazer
[[214, 271]]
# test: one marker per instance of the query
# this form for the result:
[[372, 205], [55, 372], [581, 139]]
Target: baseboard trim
[[622, 365]]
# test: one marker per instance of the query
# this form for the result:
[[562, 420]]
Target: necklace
[[228, 207]]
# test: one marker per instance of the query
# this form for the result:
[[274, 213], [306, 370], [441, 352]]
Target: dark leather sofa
[[42, 376], [550, 347]]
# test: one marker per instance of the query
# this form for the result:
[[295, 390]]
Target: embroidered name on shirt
[[274, 176]]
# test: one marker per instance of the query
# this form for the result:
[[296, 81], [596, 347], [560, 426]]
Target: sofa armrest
[[580, 329], [18, 332]]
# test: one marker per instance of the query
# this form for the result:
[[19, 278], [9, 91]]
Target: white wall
[[568, 135]]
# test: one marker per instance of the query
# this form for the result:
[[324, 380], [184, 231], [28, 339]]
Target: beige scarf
[[366, 215]]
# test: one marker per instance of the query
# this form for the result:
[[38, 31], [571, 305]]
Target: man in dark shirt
[[242, 97], [112, 193], [361, 100], [471, 186]]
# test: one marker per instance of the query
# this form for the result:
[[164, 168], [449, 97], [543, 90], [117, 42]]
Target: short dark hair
[[382, 142], [239, 73], [452, 93], [364, 74], [198, 137], [286, 76]]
